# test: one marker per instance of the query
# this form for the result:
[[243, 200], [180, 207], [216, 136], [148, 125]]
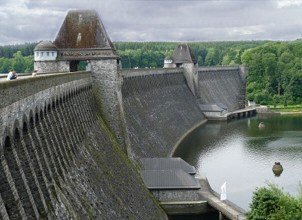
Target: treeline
[[8, 51], [275, 68], [18, 57], [152, 54], [140, 54], [275, 73], [273, 204], [20, 63]]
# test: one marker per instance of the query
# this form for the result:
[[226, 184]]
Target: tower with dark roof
[[184, 58], [183, 54], [82, 37]]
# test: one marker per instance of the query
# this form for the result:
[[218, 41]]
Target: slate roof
[[168, 173], [171, 163], [183, 54], [169, 179], [45, 46], [83, 29]]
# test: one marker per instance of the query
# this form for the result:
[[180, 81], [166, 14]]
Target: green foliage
[[19, 63], [275, 73], [275, 68], [271, 203], [139, 54], [152, 54], [26, 49]]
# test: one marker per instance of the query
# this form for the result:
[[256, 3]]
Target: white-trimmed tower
[[168, 62], [45, 57]]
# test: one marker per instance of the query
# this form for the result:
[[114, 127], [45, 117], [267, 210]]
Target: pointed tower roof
[[183, 54], [83, 29]]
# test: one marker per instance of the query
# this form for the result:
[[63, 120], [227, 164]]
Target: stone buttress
[[82, 37]]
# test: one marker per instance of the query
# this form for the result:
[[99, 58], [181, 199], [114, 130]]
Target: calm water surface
[[241, 154]]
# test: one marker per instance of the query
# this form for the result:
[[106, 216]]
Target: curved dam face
[[223, 86], [59, 159], [159, 109]]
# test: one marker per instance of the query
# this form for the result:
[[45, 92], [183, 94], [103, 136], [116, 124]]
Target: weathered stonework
[[224, 85], [51, 66], [66, 163], [191, 74], [63, 136], [107, 82], [159, 109], [85, 54]]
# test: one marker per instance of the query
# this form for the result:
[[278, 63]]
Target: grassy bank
[[286, 109]]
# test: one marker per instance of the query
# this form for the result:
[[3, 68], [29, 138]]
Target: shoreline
[[290, 113], [287, 113], [171, 154]]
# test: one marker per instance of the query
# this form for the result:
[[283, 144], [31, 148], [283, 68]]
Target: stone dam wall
[[159, 108], [223, 85], [59, 160]]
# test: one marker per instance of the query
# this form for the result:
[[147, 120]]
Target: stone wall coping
[[127, 73], [39, 77], [206, 69], [14, 90]]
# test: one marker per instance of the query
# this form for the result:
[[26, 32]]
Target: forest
[[275, 68]]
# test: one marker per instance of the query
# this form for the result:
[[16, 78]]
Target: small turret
[[45, 51], [168, 62]]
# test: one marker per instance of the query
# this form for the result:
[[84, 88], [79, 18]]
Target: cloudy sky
[[157, 20]]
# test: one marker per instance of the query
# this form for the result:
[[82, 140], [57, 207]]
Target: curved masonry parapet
[[26, 97], [128, 73], [211, 69], [14, 90]]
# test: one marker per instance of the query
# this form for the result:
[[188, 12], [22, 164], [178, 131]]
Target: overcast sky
[[157, 20]]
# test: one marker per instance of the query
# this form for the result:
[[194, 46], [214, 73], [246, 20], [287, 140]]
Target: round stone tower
[[45, 51], [45, 57], [168, 62]]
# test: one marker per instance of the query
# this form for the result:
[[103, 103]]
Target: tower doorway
[[77, 65], [73, 65]]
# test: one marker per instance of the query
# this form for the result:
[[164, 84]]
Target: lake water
[[241, 154]]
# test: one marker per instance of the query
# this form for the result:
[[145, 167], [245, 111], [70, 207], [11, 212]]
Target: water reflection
[[241, 154]]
